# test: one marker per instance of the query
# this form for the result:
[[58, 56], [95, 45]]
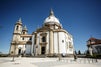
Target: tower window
[[23, 38], [17, 27], [35, 40], [30, 38], [23, 32], [43, 39]]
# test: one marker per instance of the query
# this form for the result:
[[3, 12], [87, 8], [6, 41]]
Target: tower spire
[[25, 28], [20, 19]]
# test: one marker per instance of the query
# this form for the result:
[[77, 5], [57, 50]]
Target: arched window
[[30, 38], [23, 38], [62, 41], [17, 27], [23, 32], [43, 39], [35, 40]]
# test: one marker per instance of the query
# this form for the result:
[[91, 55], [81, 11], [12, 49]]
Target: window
[[35, 39], [92, 42], [43, 39], [30, 38], [62, 41], [23, 38], [17, 27], [23, 32], [70, 45]]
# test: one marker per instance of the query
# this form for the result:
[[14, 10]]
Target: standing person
[[75, 56]]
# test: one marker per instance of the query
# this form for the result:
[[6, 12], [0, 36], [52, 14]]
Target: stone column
[[36, 46], [51, 42]]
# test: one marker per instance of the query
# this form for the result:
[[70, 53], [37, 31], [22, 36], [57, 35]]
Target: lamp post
[[15, 43]]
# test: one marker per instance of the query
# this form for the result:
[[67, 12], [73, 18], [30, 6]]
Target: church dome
[[51, 19]]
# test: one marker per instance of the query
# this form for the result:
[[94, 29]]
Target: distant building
[[50, 39], [94, 46]]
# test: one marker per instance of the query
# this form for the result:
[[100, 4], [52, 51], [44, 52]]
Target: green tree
[[75, 52], [79, 52]]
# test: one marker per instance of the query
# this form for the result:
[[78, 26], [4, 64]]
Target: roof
[[51, 19], [92, 38], [94, 41], [24, 28], [19, 21]]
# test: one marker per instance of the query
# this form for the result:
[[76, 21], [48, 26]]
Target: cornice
[[25, 35]]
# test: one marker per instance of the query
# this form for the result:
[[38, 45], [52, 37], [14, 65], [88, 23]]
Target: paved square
[[47, 62]]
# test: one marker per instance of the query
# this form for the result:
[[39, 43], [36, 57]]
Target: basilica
[[51, 39]]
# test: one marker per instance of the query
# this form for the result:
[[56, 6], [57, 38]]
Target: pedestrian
[[75, 57]]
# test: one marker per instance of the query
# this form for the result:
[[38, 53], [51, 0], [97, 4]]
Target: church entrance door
[[43, 48]]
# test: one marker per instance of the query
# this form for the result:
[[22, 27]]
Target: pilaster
[[51, 42]]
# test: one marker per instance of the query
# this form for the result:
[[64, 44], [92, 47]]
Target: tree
[[87, 52], [0, 52], [79, 52], [75, 52]]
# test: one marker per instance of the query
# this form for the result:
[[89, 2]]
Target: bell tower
[[17, 30], [16, 37], [24, 30], [18, 26]]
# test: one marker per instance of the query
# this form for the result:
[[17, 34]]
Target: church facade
[[49, 40]]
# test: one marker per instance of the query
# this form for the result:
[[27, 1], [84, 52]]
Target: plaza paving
[[48, 62]]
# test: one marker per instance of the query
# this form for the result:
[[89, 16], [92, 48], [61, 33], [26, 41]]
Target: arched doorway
[[19, 51], [43, 50]]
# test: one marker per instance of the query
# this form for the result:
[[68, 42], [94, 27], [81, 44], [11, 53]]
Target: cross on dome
[[51, 13]]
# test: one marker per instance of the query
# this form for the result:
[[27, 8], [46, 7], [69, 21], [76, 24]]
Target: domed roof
[[51, 18], [24, 28]]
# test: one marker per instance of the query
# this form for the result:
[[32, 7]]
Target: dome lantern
[[51, 19]]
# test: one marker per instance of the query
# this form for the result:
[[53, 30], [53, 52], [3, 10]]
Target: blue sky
[[81, 18]]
